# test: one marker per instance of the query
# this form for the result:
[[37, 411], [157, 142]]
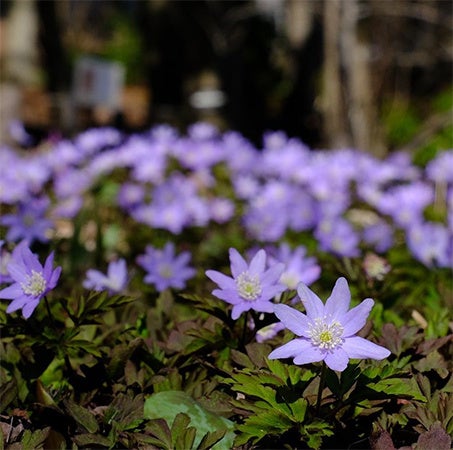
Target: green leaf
[[179, 426], [168, 404], [8, 393], [400, 387], [34, 440], [160, 429], [210, 439], [91, 440], [299, 408], [82, 416]]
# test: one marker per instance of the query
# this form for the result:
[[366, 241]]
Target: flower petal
[[338, 303], [313, 304], [28, 309], [273, 274], [31, 260], [239, 308], [308, 354], [48, 265], [229, 295], [293, 319], [12, 291], [289, 350], [17, 303], [262, 306], [337, 359], [238, 263], [258, 263], [222, 280], [360, 348], [355, 319], [54, 278], [17, 271]]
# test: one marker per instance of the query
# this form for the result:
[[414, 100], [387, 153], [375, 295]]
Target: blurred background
[[369, 74]]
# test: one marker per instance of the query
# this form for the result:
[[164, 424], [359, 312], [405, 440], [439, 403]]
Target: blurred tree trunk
[[349, 104], [335, 124], [360, 99], [53, 56], [55, 62]]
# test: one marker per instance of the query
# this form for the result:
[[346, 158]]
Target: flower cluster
[[348, 200]]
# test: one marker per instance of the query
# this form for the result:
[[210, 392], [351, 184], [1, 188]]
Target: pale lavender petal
[[288, 350], [269, 331], [48, 266], [17, 303], [238, 263], [263, 306], [222, 280], [12, 291], [338, 303], [293, 319], [360, 348], [228, 295], [31, 260], [313, 304], [239, 309], [355, 319], [273, 274], [337, 359], [308, 353], [17, 271], [54, 278], [28, 309], [258, 263], [182, 259], [272, 291], [116, 269]]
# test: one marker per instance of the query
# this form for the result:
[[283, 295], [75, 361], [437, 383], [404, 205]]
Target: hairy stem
[[322, 382]]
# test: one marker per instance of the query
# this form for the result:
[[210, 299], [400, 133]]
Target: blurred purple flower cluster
[[350, 201]]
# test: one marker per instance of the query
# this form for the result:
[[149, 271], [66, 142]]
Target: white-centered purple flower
[[32, 281], [298, 266], [29, 222], [114, 281], [327, 332], [251, 287], [164, 268]]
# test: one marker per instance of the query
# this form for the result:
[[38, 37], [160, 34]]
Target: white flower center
[[249, 286], [165, 271], [326, 335], [35, 284]]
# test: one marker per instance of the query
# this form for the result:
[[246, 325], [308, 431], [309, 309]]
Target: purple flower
[[130, 195], [327, 332], [269, 331], [338, 236], [5, 256], [298, 267], [251, 287], [431, 243], [32, 281], [440, 169], [406, 203], [115, 281], [29, 223], [164, 268]]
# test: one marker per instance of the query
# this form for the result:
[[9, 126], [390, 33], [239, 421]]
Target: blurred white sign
[[98, 82]]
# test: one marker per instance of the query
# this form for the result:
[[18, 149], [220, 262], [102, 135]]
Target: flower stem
[[244, 329], [49, 312], [322, 382]]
